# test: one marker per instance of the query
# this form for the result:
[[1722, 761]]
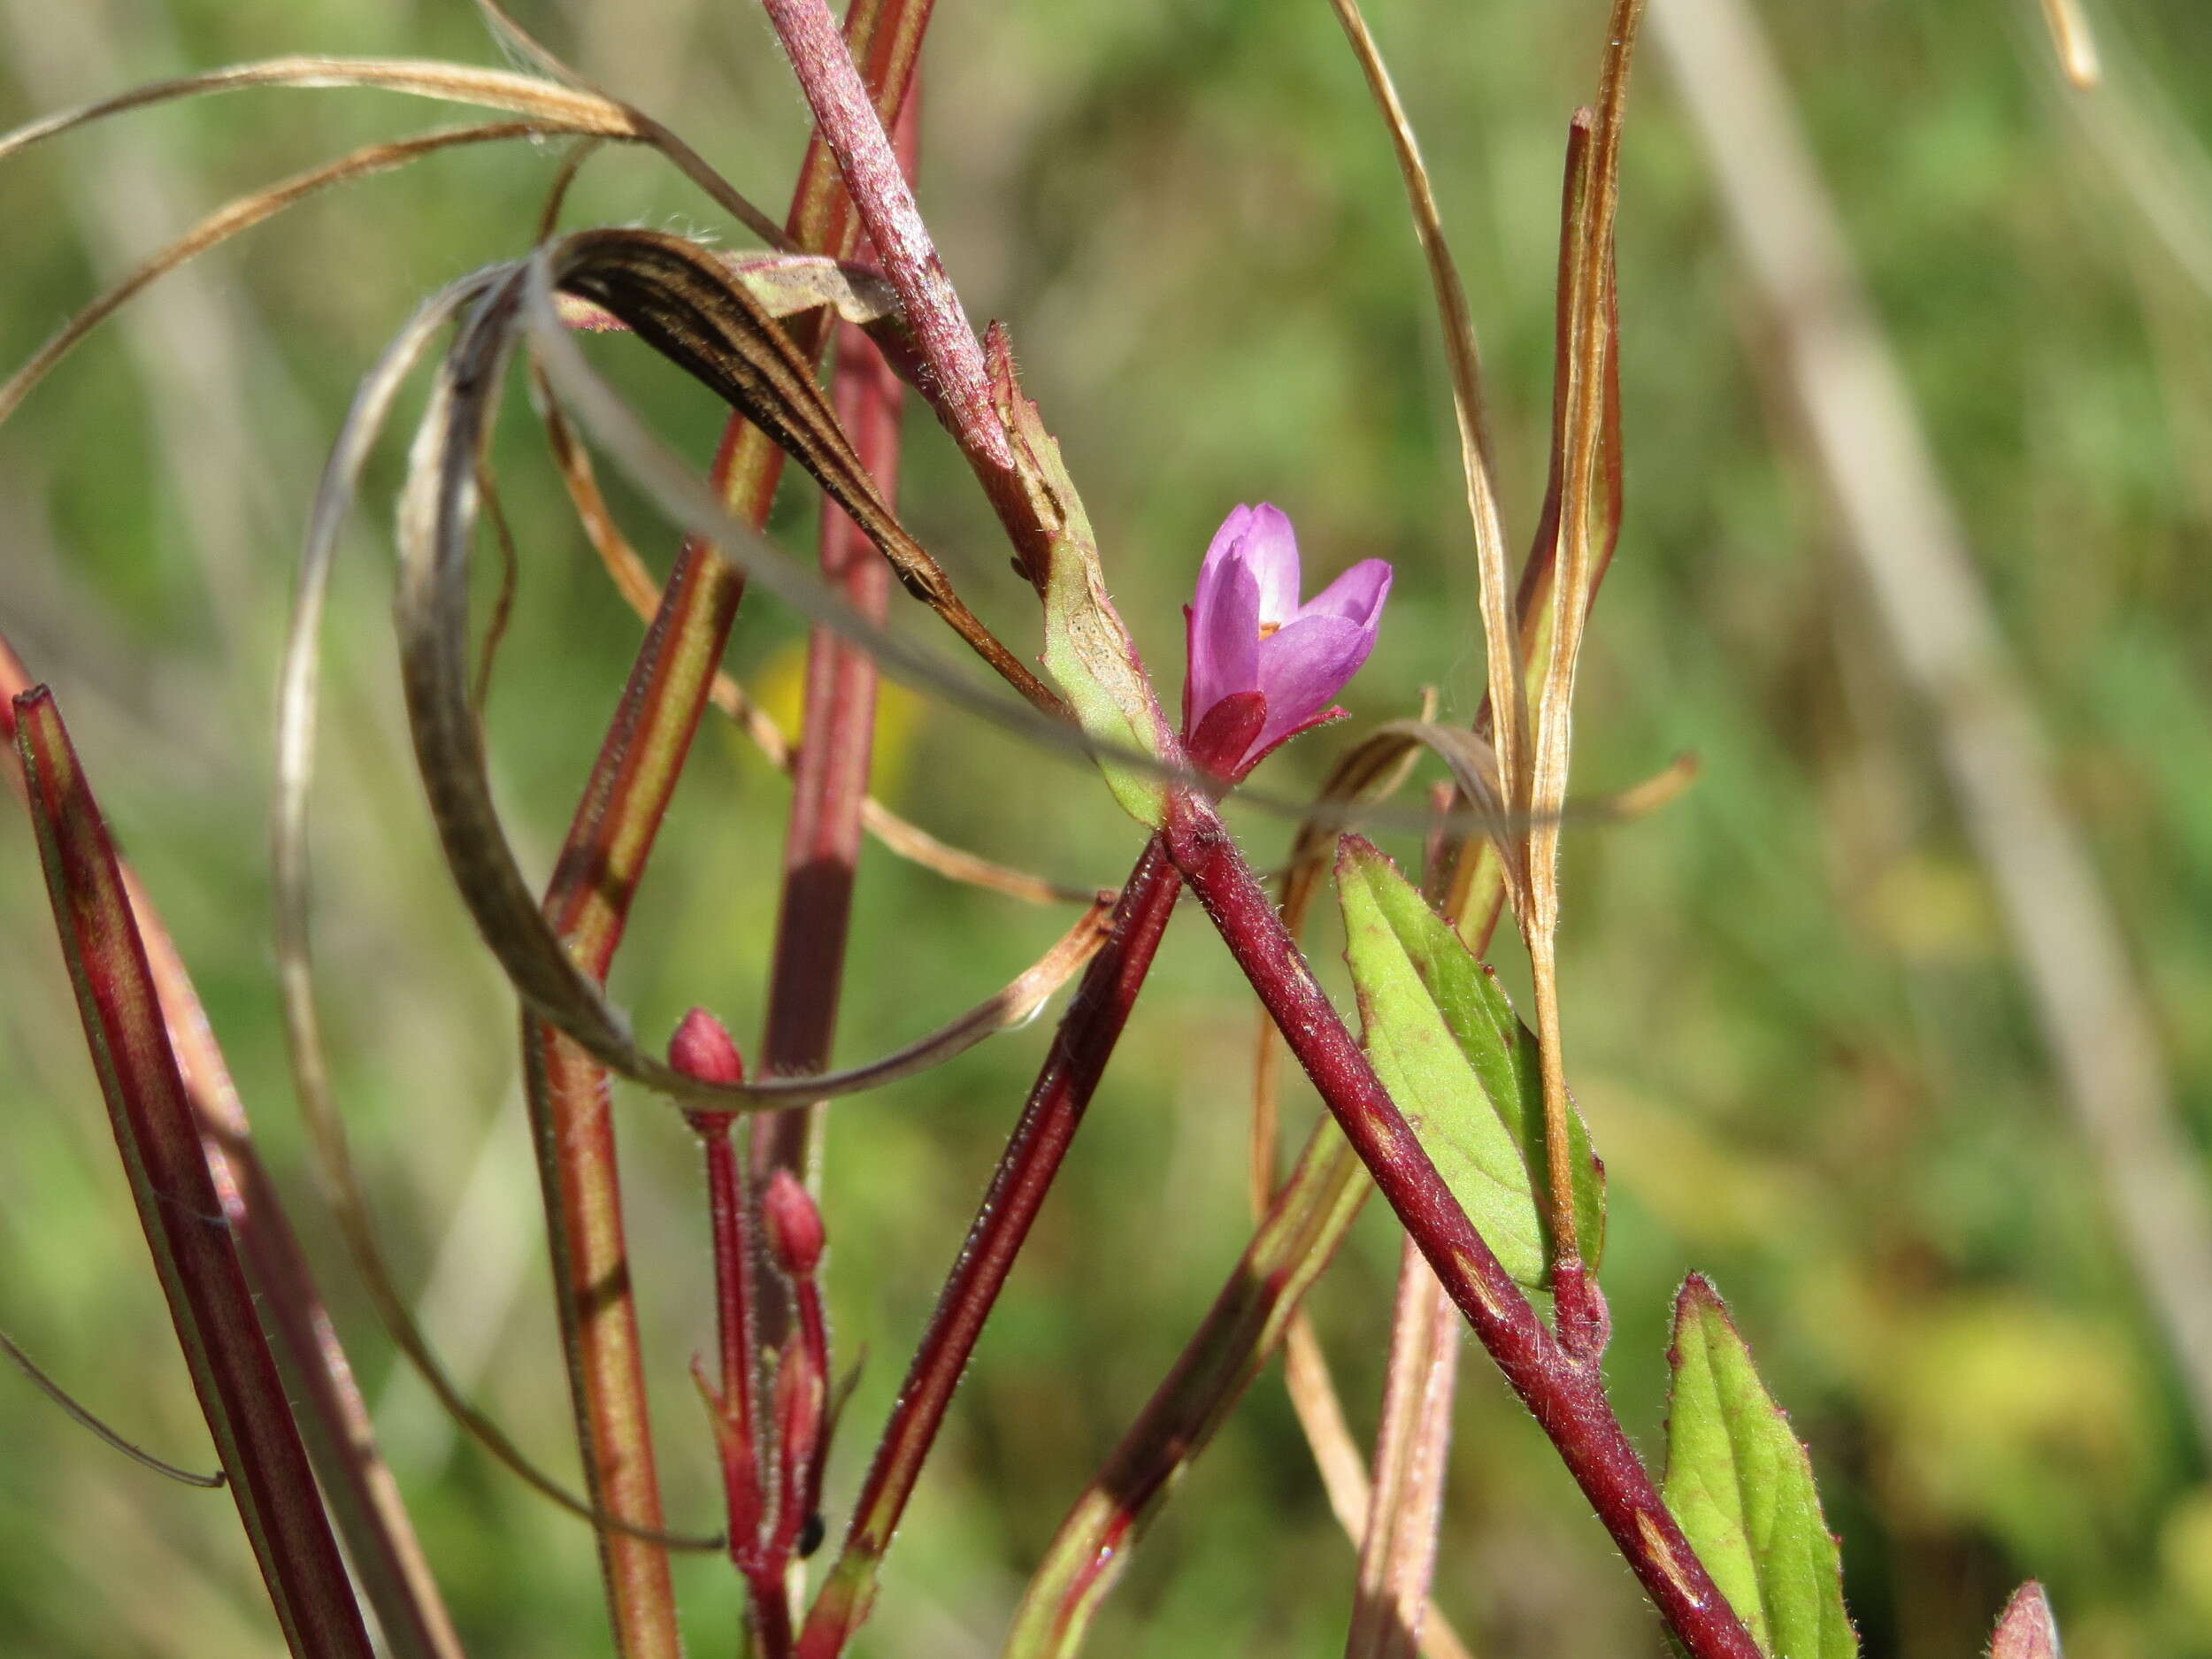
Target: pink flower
[[1251, 641]]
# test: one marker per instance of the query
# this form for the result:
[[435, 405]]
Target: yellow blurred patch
[[2184, 1550], [1934, 908], [1710, 1192], [780, 688], [2021, 1416]]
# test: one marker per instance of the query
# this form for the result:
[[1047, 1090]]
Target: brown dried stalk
[[243, 214], [1583, 301], [241, 1392], [456, 83], [1398, 1556]]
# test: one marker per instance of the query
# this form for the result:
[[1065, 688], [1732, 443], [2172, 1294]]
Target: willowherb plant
[[1445, 1102]]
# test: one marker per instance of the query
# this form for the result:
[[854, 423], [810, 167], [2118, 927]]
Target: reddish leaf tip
[[2026, 1629], [1697, 1295], [27, 703], [703, 1049], [1352, 850], [795, 1233]]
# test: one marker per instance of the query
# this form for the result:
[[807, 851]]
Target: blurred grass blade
[[1448, 1044], [89, 1421], [243, 214], [1501, 637], [575, 109], [2077, 46], [241, 1392], [2026, 1629], [1741, 1486], [298, 685], [1398, 1556], [1905, 532], [1294, 1242]]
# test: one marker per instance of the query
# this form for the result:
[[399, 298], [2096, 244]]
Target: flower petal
[[1304, 666], [1357, 596], [1269, 551], [1225, 639], [1226, 540]]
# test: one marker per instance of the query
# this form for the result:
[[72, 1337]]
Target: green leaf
[[1088, 650], [1741, 1487], [1456, 1057]]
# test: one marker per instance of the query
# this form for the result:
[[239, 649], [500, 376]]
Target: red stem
[[814, 1335], [578, 1159], [846, 117], [837, 743], [1567, 1397], [572, 1109], [730, 1217], [821, 850], [333, 1419], [241, 1392], [960, 379], [1080, 1049], [821, 859]]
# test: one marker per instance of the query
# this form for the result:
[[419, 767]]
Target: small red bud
[[701, 1048], [794, 1225]]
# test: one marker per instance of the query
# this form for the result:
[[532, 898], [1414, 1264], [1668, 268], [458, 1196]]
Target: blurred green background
[[1797, 1023]]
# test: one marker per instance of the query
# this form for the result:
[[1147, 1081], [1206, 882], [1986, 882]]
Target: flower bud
[[794, 1225], [701, 1048]]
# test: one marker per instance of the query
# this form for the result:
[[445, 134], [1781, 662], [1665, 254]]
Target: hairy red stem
[[959, 381], [1567, 1396], [1080, 1049], [846, 117]]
